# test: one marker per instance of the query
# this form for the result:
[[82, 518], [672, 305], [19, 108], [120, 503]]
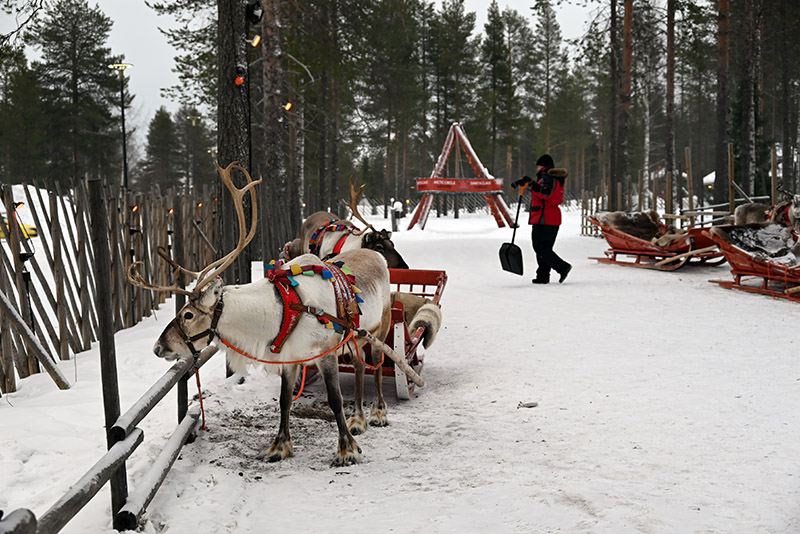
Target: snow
[[665, 404]]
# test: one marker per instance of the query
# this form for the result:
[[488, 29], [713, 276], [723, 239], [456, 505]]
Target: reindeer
[[253, 320], [788, 211], [325, 235]]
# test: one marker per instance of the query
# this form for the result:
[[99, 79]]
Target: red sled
[[423, 283], [631, 251], [756, 275]]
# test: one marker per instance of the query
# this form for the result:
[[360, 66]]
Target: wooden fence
[[49, 278]]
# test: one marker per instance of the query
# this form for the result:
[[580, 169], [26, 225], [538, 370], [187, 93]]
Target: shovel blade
[[511, 258]]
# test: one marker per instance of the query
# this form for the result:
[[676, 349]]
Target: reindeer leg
[[379, 410], [281, 447], [358, 423], [348, 452]]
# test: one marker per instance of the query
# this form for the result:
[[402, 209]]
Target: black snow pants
[[544, 238]]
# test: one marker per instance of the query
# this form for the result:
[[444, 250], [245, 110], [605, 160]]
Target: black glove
[[522, 181]]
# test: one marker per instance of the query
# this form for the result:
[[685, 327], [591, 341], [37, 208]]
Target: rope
[[347, 338], [200, 395], [368, 366]]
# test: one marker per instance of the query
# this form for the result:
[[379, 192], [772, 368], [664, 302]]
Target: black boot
[[540, 281], [564, 274]]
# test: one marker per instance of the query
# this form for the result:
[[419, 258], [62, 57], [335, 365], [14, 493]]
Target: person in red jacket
[[547, 194]]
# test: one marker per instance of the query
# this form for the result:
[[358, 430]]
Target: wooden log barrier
[[157, 391], [128, 517], [87, 487], [35, 346], [20, 521]]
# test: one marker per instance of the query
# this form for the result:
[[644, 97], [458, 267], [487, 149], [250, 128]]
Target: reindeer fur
[[379, 240], [420, 311], [644, 225], [750, 213], [251, 318]]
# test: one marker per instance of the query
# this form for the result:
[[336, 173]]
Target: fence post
[[731, 196], [108, 356], [690, 185], [774, 176], [668, 207]]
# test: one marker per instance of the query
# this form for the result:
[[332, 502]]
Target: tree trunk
[[787, 147], [625, 94], [614, 111], [233, 119], [325, 203], [275, 223], [723, 97], [670, 104], [748, 139]]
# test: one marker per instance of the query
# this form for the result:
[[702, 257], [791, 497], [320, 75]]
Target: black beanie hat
[[545, 160]]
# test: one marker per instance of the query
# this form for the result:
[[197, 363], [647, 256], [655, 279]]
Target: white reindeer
[[248, 318]]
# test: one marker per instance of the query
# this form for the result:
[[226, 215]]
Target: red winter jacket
[[547, 194]]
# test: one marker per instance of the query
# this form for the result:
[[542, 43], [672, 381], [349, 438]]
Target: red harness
[[346, 300]]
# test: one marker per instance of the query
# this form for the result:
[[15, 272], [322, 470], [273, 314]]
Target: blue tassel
[[292, 280], [326, 275], [359, 299]]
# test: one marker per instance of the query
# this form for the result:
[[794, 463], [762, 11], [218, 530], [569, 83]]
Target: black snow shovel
[[510, 254]]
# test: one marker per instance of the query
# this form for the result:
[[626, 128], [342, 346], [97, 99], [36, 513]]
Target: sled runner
[[422, 283], [755, 272], [628, 250]]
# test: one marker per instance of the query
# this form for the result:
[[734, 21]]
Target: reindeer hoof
[[276, 453], [343, 460], [357, 425], [378, 418]]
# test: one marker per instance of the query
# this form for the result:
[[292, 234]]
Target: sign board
[[460, 185]]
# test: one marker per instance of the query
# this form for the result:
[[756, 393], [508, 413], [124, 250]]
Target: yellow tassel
[[296, 269]]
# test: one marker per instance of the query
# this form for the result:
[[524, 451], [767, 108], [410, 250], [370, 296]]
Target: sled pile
[[642, 240], [763, 259]]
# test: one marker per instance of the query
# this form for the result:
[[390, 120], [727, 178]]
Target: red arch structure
[[484, 184]]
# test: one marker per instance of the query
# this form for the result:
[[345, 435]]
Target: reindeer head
[[377, 240], [191, 329], [194, 319], [380, 241]]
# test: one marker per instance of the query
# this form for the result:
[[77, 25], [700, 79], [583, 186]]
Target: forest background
[[366, 90]]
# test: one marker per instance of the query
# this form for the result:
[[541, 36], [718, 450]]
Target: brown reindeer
[[254, 324], [325, 235]]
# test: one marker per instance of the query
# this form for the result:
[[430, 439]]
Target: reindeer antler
[[207, 274], [212, 270], [354, 196], [136, 279]]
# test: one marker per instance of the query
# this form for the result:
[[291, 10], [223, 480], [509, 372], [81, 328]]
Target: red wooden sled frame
[[424, 283], [772, 278], [694, 247]]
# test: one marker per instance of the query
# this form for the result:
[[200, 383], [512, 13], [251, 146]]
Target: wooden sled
[[423, 283], [756, 275], [631, 251]]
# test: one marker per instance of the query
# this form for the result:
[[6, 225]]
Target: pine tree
[[496, 80], [162, 164], [194, 36], [22, 125], [77, 88], [551, 60]]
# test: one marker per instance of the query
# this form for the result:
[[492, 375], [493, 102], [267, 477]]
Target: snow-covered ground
[[665, 405]]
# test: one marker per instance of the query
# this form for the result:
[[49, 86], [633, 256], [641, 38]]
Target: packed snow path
[[665, 404]]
